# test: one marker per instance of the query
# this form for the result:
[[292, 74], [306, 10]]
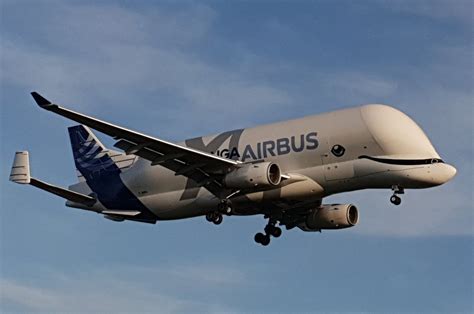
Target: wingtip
[[40, 100]]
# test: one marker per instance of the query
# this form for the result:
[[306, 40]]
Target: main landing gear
[[224, 207], [271, 230], [214, 217], [395, 199]]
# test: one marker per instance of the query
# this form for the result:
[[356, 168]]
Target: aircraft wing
[[203, 168]]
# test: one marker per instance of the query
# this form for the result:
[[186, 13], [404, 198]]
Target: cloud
[[125, 289], [458, 11], [27, 296], [420, 214], [207, 275], [110, 296], [357, 84], [105, 54], [210, 274]]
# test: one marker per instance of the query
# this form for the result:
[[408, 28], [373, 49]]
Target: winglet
[[40, 100], [21, 168]]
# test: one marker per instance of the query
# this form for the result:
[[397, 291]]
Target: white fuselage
[[373, 146]]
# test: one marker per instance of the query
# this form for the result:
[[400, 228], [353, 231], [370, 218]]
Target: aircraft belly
[[338, 171], [374, 175], [169, 205]]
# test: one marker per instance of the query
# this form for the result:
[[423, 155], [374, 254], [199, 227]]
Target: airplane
[[282, 170]]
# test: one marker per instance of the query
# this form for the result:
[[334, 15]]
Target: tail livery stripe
[[102, 174], [89, 154]]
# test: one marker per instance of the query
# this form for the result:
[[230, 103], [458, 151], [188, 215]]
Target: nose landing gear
[[395, 199], [271, 230]]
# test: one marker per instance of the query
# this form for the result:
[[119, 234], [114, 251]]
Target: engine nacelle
[[335, 216], [262, 174]]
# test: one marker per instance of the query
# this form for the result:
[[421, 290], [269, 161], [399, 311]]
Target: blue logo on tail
[[89, 156], [101, 173]]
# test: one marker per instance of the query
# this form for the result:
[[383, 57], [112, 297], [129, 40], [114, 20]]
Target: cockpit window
[[338, 150]]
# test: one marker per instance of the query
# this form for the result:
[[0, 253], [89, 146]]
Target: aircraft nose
[[435, 174], [448, 172], [442, 173]]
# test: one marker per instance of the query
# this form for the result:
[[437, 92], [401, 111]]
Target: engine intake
[[262, 174], [334, 216]]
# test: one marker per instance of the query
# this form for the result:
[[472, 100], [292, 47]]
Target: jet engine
[[262, 174], [334, 216]]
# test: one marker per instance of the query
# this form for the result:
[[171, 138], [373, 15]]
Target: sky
[[177, 70]]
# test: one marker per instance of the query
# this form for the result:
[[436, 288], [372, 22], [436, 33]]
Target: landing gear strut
[[395, 199], [271, 230], [225, 207]]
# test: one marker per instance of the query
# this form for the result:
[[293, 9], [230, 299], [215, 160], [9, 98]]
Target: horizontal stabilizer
[[21, 174], [121, 212], [64, 193], [21, 168]]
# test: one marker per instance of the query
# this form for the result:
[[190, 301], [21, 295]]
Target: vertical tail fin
[[101, 168], [92, 158], [90, 155]]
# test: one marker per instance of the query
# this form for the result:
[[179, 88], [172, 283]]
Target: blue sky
[[179, 70]]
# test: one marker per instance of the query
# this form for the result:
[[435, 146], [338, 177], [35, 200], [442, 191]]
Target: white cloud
[[124, 289], [456, 10], [106, 54], [30, 297], [445, 210], [211, 274], [357, 84], [207, 275], [111, 296]]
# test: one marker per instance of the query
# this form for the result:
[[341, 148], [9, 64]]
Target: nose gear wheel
[[395, 199]]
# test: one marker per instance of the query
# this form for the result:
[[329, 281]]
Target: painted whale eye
[[338, 150]]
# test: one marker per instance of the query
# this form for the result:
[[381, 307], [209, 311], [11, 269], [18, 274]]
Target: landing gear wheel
[[273, 231], [258, 237], [269, 229], [228, 210], [263, 239], [276, 232], [225, 207], [395, 200], [217, 219], [210, 217]]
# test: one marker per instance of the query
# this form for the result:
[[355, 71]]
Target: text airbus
[[278, 147]]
